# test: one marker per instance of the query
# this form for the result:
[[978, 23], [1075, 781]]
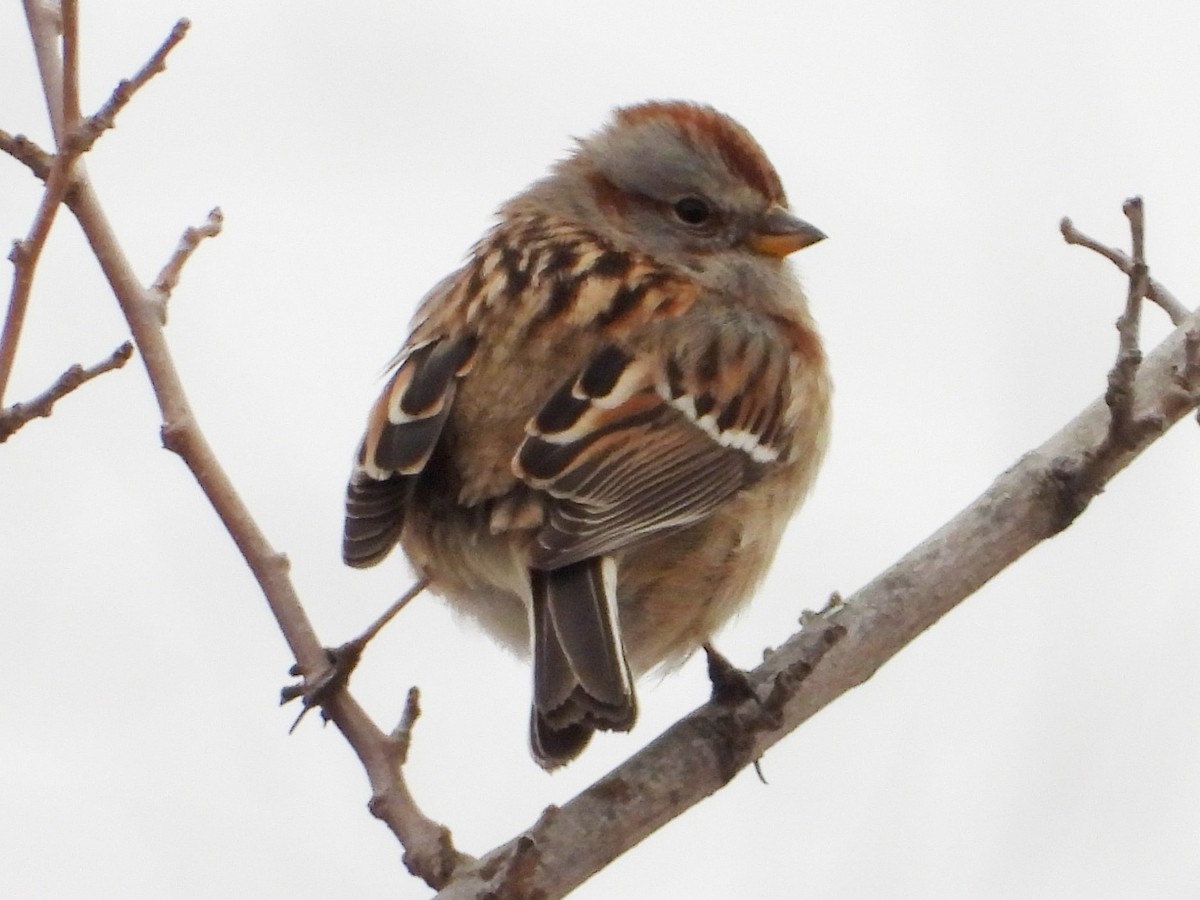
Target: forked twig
[[61, 88], [73, 137], [1155, 292]]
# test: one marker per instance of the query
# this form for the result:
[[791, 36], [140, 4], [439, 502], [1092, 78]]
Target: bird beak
[[779, 233]]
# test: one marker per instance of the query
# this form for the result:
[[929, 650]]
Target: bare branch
[[391, 612], [1129, 355], [700, 754], [24, 257], [168, 278], [1188, 376], [1126, 429], [842, 646], [45, 26], [105, 118], [1155, 292], [16, 416], [70, 87], [315, 691], [402, 733], [63, 171], [23, 150], [1135, 212], [429, 850], [85, 132]]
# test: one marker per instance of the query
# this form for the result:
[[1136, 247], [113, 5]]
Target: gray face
[[680, 195]]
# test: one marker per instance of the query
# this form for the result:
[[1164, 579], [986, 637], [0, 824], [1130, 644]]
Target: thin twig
[[85, 132], [25, 253], [24, 257], [168, 278], [16, 416], [1080, 481], [89, 131], [81, 136], [45, 26], [402, 734], [1129, 354], [70, 87], [23, 150], [1141, 284], [316, 688], [1155, 292], [390, 613]]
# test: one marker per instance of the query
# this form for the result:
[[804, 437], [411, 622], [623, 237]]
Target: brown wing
[[403, 429], [561, 277], [640, 443]]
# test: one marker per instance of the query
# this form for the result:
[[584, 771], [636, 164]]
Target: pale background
[[1042, 741]]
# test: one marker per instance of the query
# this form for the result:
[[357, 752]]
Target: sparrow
[[599, 426]]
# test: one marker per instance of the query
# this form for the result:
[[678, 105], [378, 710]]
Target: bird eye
[[692, 210]]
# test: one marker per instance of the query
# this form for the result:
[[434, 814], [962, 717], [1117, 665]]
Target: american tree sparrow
[[599, 426]]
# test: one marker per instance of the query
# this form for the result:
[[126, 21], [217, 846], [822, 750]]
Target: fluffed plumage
[[600, 425]]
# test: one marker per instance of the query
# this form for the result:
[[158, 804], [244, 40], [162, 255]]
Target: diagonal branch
[[90, 129], [429, 850], [837, 649], [18, 415], [24, 256]]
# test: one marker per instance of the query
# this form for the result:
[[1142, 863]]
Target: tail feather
[[581, 681]]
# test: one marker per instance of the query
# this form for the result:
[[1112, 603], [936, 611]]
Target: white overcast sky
[[1041, 741]]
